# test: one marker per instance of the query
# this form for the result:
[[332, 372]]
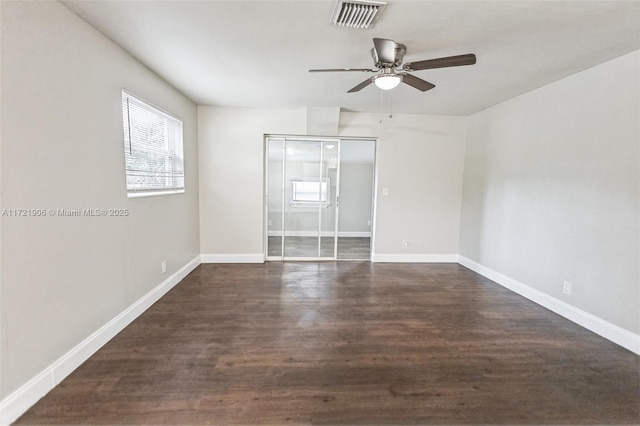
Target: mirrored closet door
[[304, 201]]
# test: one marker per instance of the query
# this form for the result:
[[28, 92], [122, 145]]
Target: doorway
[[319, 198]]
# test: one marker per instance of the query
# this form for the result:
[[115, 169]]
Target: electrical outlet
[[164, 266], [368, 223], [270, 223], [405, 243], [566, 287], [385, 192]]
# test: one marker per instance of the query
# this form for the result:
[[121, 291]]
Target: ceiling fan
[[387, 58]]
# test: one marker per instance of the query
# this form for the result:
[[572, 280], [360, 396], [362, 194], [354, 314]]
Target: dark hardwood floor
[[347, 343]]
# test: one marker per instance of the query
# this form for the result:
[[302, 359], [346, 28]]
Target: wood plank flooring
[[347, 343]]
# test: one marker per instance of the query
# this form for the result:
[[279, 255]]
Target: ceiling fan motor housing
[[399, 51]]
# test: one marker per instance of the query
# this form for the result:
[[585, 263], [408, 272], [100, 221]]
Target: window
[[309, 192], [152, 149]]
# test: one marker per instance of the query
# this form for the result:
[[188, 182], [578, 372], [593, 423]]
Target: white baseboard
[[415, 258], [609, 331], [15, 404], [233, 258], [363, 234]]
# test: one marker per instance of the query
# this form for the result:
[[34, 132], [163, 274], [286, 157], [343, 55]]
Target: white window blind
[[152, 148]]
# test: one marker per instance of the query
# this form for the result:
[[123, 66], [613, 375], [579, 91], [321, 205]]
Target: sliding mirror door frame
[[277, 191]]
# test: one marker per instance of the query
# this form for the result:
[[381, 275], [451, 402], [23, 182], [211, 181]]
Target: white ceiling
[[257, 53]]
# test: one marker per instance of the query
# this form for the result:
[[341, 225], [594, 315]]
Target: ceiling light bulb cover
[[387, 82]]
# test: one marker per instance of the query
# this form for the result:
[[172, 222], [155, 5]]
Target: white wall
[[420, 160], [62, 147], [551, 190], [231, 155]]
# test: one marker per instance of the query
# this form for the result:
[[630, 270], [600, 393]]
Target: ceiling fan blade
[[449, 61], [343, 69], [416, 82], [361, 85], [385, 50]]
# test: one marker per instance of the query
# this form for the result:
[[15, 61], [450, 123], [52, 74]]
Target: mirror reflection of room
[[320, 198]]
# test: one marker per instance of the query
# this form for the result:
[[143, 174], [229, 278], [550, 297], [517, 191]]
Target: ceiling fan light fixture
[[387, 81]]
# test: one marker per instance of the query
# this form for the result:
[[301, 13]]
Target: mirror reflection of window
[[310, 192]]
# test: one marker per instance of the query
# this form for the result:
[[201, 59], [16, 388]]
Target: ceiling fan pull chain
[[391, 104]]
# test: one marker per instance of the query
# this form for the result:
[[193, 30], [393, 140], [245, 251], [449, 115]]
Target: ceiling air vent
[[357, 14]]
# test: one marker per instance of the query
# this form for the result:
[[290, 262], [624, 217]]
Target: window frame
[[174, 135]]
